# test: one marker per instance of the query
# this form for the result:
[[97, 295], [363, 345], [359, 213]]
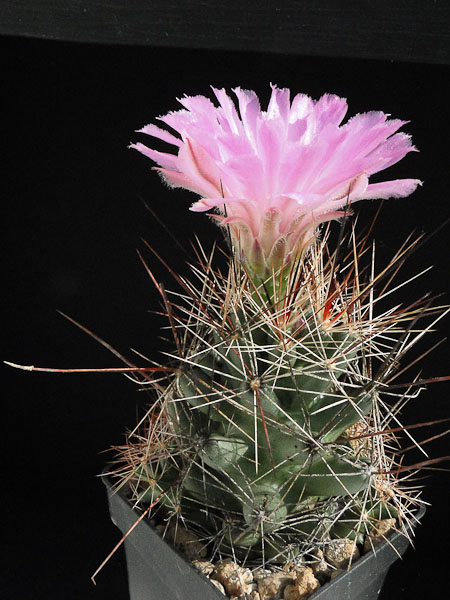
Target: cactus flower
[[273, 176]]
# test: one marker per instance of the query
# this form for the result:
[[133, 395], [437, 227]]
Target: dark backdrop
[[73, 216]]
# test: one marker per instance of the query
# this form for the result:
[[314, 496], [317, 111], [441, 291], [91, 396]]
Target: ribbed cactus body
[[269, 425], [258, 409], [269, 435]]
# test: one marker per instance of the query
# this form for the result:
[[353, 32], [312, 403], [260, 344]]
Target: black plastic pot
[[157, 571]]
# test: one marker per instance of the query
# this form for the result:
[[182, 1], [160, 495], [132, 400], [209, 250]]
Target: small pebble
[[320, 568], [272, 586], [306, 582], [261, 573], [290, 592], [218, 585], [249, 596], [378, 533], [232, 577], [204, 566], [340, 552]]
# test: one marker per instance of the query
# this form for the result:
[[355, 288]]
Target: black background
[[73, 216]]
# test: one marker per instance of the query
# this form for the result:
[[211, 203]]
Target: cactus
[[269, 436], [272, 428]]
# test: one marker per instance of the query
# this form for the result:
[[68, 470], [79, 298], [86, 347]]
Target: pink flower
[[273, 176]]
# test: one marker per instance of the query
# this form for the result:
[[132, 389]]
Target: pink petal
[[397, 188], [249, 109], [198, 104], [176, 179], [306, 201], [270, 143], [330, 109], [200, 168], [235, 176], [207, 203], [389, 153], [162, 134], [279, 105], [168, 161], [348, 191], [302, 106], [177, 120], [230, 146], [314, 220], [229, 110], [296, 130]]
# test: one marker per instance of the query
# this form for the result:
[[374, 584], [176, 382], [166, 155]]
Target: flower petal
[[164, 159], [162, 134], [397, 188], [249, 109], [200, 167]]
